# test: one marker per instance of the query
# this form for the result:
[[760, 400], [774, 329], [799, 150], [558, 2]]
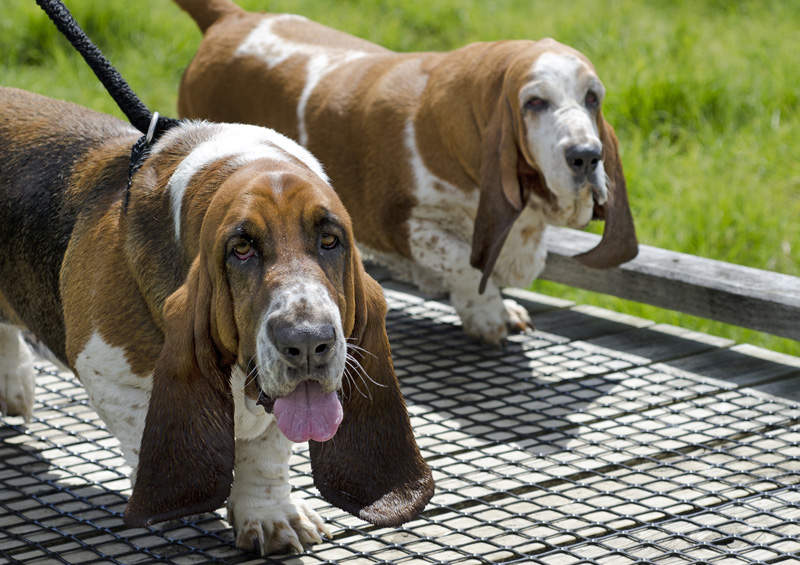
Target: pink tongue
[[308, 413]]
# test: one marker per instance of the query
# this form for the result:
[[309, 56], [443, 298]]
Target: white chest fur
[[442, 222]]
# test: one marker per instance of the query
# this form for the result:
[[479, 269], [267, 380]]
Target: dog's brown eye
[[536, 104], [591, 100], [243, 250], [328, 241]]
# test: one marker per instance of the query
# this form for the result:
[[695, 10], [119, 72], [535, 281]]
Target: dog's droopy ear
[[502, 198], [619, 235], [187, 452], [372, 467]]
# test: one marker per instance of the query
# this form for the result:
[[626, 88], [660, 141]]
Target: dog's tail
[[206, 12]]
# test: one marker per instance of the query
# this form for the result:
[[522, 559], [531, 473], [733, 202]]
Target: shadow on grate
[[549, 450]]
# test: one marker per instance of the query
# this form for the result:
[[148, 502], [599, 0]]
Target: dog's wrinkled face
[[547, 147], [559, 106], [285, 244], [274, 303]]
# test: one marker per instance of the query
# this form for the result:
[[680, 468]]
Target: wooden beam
[[743, 296]]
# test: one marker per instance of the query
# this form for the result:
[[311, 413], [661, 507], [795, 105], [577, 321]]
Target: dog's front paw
[[518, 319], [269, 526], [491, 322], [487, 324], [17, 375]]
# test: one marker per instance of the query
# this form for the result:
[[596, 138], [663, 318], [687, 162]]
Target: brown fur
[[175, 309], [467, 120], [41, 142], [382, 500]]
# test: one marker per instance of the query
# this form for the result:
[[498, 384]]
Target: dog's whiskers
[[361, 369], [353, 363], [346, 379], [360, 349], [252, 374], [351, 382]]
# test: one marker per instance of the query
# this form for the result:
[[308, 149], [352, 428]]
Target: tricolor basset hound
[[212, 321], [450, 164]]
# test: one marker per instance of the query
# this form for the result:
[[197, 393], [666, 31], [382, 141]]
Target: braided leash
[[150, 124]]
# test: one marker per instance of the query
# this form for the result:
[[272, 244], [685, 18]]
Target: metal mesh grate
[[550, 450]]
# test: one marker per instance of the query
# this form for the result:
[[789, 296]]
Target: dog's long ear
[[501, 196], [187, 452], [619, 235], [372, 467]]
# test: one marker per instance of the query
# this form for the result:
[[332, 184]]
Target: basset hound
[[450, 164], [220, 316]]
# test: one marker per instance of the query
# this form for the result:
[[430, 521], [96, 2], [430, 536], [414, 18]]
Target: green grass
[[703, 95]]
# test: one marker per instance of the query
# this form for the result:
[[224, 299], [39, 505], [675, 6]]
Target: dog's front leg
[[485, 316], [264, 515], [261, 509], [119, 396], [16, 373]]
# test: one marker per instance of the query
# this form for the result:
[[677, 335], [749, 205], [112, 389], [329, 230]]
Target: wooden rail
[[743, 296]]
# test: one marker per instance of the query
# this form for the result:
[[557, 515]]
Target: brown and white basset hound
[[212, 321], [450, 164]]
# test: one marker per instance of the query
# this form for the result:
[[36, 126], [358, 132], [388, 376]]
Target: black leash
[[150, 124]]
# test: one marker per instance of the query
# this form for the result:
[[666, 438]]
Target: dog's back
[[43, 144]]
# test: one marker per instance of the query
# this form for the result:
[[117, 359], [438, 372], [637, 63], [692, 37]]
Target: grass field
[[703, 95]]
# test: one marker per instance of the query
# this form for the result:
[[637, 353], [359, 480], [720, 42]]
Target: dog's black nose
[[582, 159], [305, 346]]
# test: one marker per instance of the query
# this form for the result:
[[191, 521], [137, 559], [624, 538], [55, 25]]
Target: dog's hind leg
[[16, 373]]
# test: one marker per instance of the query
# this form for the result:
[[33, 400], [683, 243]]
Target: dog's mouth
[[599, 199], [306, 413], [266, 401], [598, 211]]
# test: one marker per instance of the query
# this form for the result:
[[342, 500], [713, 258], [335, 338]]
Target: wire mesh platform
[[598, 439]]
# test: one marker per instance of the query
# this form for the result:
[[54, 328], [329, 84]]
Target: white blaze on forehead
[[273, 49], [561, 75], [241, 143], [559, 70]]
